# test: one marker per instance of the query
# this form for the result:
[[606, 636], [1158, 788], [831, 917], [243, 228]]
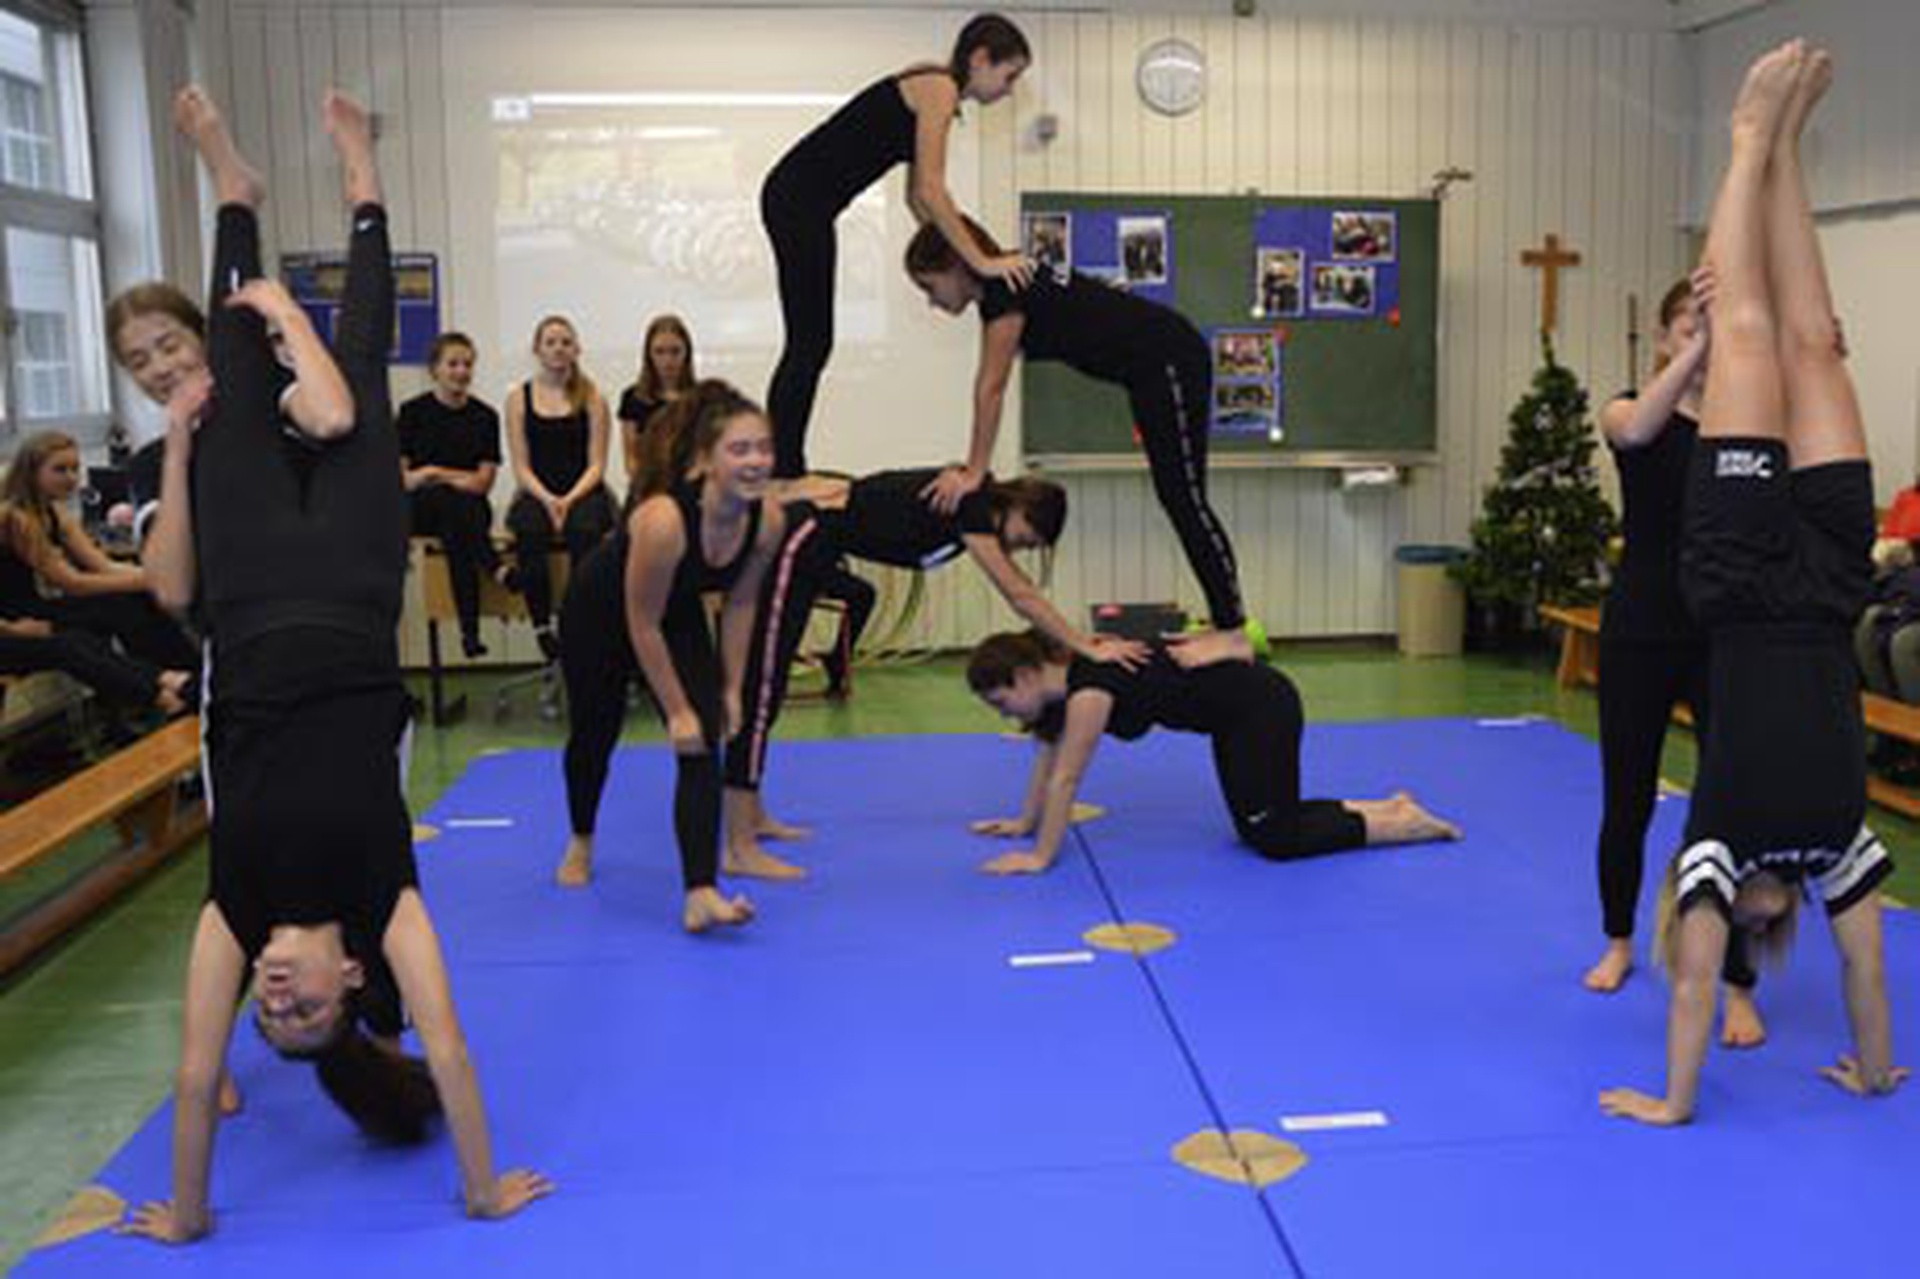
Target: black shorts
[[1840, 875], [1783, 756], [1765, 544]]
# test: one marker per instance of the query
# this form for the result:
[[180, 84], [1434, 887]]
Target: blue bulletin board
[[316, 281]]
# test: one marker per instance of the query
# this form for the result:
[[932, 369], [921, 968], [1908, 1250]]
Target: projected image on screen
[[652, 202]]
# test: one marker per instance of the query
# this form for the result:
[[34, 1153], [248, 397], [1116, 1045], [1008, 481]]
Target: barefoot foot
[[1204, 648], [234, 180], [1815, 79], [773, 828], [230, 1101], [1418, 826], [351, 128], [706, 909], [1740, 1024], [747, 859], [576, 868], [1610, 974], [1769, 86]]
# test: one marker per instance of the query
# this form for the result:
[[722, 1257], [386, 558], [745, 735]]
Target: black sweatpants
[[464, 524], [132, 619], [275, 530], [805, 257], [1257, 759], [588, 522], [1171, 404], [597, 661], [122, 681]]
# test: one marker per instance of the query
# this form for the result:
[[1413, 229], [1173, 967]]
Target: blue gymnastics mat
[[861, 1084]]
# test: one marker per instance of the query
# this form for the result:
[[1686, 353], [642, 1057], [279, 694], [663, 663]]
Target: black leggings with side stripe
[[805, 565], [1172, 405]]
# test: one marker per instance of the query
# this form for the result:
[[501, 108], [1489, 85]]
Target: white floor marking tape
[[478, 823], [1055, 959], [1511, 721], [1331, 1123]]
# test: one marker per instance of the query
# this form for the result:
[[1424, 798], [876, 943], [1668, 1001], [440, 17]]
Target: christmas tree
[[1544, 527]]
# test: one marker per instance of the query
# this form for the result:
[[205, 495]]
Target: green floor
[[88, 1036]]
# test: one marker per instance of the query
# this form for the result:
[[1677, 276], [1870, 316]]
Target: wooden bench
[[1580, 664], [138, 790], [429, 558]]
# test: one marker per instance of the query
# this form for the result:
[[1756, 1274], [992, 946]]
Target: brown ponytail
[[929, 253], [685, 431]]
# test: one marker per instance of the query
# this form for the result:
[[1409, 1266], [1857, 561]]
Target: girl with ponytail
[[701, 525]]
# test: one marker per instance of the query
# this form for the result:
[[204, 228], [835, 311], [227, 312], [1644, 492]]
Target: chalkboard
[[1355, 377]]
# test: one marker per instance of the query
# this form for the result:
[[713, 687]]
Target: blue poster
[[1320, 263], [317, 280], [1249, 385], [1130, 249]]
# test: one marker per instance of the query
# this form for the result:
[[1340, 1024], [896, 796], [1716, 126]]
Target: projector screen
[[606, 166]]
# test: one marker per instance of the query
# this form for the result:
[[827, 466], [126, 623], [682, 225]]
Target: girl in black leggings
[[1152, 351], [1776, 565], [639, 606], [901, 119], [1251, 712], [282, 521], [1652, 654], [882, 519]]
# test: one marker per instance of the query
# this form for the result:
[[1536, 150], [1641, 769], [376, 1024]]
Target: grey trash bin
[[1432, 620]]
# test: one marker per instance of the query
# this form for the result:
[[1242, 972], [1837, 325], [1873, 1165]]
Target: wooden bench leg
[[443, 711]]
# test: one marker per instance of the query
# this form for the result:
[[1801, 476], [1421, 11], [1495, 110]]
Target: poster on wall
[[1279, 276], [1348, 261], [1047, 238], [1135, 249], [318, 281], [1248, 388]]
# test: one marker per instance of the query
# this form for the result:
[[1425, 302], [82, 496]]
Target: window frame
[[68, 111]]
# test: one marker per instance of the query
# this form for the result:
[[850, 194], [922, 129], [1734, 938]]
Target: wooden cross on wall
[[1550, 258]]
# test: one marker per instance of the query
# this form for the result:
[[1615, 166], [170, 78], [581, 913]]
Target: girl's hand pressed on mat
[[1630, 1103], [1849, 1075], [1021, 863], [1002, 827], [511, 1192], [157, 1220]]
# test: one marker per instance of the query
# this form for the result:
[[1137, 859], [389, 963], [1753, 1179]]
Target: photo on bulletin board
[[1047, 238], [1246, 408], [1242, 354], [1343, 289], [1364, 236], [1143, 249], [1111, 276], [1279, 277]]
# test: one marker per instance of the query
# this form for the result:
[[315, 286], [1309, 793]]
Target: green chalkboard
[[1353, 387]]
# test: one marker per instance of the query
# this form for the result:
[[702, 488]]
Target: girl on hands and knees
[[1251, 712]]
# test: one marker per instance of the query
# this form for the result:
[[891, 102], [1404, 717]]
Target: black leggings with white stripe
[[1171, 405]]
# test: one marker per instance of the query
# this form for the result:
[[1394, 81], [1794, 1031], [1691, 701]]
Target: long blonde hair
[[20, 490], [1768, 946], [580, 388]]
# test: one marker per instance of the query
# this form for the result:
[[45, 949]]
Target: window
[[53, 366]]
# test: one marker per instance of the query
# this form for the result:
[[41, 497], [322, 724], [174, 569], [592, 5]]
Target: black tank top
[[557, 447], [696, 575], [1644, 601], [19, 584], [851, 149]]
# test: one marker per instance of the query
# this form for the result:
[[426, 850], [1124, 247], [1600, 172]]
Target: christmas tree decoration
[[1544, 525]]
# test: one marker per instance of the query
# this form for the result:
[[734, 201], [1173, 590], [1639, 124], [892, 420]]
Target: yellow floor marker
[[1890, 902], [425, 834], [1130, 939], [91, 1210], [1085, 813], [1244, 1157]]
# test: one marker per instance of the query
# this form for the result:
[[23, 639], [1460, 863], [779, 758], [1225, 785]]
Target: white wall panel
[[1580, 124]]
